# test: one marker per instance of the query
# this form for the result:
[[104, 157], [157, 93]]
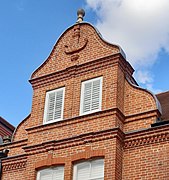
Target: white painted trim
[[46, 106], [38, 177], [82, 96], [75, 167]]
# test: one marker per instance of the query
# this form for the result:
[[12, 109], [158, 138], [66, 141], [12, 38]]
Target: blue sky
[[30, 28]]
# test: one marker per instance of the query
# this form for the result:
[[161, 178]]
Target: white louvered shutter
[[51, 106], [58, 104], [56, 173], [54, 105], [87, 97], [91, 96], [96, 88], [97, 169], [83, 171], [89, 170], [45, 174]]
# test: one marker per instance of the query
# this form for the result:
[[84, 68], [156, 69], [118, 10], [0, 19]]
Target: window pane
[[97, 169], [89, 170], [51, 106], [46, 174], [54, 105], [58, 105], [56, 173], [87, 97], [91, 96], [96, 94], [83, 171]]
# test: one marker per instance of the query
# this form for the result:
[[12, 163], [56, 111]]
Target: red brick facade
[[6, 129], [121, 132]]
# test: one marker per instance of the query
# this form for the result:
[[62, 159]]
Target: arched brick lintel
[[87, 154], [50, 161]]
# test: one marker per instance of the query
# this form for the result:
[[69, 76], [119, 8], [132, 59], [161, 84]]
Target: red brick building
[[6, 129], [89, 118]]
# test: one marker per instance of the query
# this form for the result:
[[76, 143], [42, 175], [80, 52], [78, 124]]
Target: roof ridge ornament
[[80, 15]]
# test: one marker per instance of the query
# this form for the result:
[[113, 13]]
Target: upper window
[[55, 173], [89, 170], [54, 105], [91, 96]]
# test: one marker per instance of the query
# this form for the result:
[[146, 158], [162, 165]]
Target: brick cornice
[[146, 136], [14, 144], [53, 161], [14, 162], [77, 119], [81, 69], [75, 141], [142, 115]]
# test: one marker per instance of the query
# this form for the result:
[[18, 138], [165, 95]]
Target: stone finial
[[80, 15]]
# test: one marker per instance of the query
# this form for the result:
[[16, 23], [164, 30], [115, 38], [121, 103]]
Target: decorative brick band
[[14, 144], [50, 161], [14, 165], [87, 154], [147, 140], [75, 141], [80, 69], [77, 119]]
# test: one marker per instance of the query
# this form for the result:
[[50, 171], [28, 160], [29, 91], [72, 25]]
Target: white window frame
[[75, 168], [46, 106], [38, 177], [82, 96]]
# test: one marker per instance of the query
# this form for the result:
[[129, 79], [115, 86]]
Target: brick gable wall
[[115, 133]]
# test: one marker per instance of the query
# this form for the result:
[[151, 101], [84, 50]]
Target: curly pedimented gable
[[139, 100], [20, 132], [141, 107], [79, 44]]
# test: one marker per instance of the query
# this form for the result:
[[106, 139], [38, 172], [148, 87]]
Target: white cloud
[[140, 27], [144, 76], [146, 79], [151, 88], [20, 4]]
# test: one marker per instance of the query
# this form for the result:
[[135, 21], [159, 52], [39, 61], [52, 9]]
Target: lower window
[[89, 170], [53, 173]]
